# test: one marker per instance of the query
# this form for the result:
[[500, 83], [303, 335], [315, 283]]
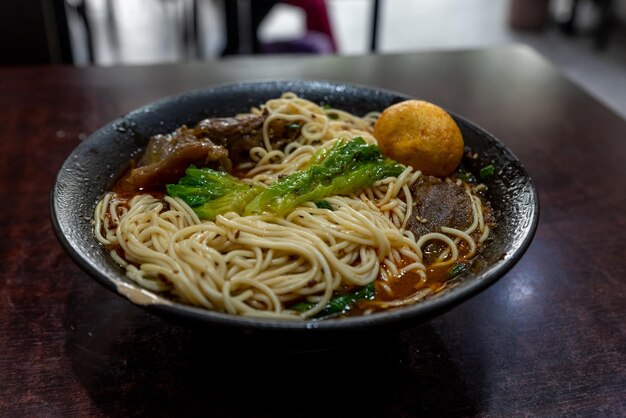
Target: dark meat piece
[[235, 134], [438, 203], [210, 143], [242, 133], [238, 134]]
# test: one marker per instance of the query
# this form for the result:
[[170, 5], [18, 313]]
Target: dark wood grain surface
[[548, 339]]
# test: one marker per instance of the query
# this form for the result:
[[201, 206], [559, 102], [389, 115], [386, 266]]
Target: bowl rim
[[425, 309]]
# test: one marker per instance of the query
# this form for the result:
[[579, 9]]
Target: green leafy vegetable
[[211, 193], [343, 169], [201, 185], [486, 172], [231, 202], [339, 303]]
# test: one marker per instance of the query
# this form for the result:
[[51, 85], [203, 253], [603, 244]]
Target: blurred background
[[586, 39]]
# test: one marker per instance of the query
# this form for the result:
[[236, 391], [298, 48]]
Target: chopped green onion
[[486, 172], [333, 116], [466, 176], [293, 126], [323, 204], [340, 303], [458, 269]]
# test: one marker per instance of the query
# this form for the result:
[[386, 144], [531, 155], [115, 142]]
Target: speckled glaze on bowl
[[93, 166]]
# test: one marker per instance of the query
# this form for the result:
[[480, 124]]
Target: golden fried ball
[[422, 135]]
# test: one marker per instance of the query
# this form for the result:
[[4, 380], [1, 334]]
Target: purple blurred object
[[311, 43]]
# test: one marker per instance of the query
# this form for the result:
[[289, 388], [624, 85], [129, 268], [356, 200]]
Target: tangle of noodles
[[260, 265]]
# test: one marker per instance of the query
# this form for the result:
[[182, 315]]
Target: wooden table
[[548, 339]]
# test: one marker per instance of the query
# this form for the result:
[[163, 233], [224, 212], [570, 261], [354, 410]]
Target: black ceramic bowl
[[94, 165]]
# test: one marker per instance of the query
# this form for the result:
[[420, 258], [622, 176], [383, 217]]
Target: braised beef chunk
[[174, 163], [229, 128], [242, 133], [438, 203], [210, 143], [238, 134]]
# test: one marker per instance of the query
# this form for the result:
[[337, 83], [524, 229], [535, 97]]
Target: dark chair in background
[[34, 32]]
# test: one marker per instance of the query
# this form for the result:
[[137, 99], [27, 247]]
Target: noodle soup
[[289, 212]]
